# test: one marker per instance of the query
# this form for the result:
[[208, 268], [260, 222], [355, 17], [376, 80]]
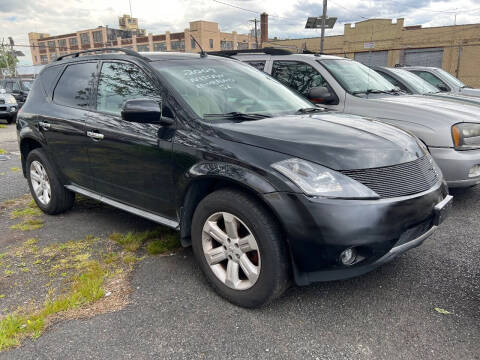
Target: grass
[[28, 225], [15, 169], [2, 151], [26, 212], [86, 288], [157, 241], [3, 126]]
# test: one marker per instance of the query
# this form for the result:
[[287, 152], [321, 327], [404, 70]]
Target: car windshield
[[213, 86], [356, 78], [414, 81], [27, 85], [451, 78]]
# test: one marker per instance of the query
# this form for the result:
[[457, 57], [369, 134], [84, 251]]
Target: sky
[[287, 18]]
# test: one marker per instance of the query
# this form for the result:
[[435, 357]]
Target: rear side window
[[76, 85], [298, 75], [48, 77], [260, 65]]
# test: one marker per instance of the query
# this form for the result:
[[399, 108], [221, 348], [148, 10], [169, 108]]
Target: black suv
[[18, 87], [264, 186]]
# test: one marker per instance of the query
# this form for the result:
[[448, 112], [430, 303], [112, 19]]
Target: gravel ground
[[386, 314]]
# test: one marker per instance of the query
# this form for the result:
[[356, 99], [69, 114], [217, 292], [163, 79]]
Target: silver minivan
[[450, 130]]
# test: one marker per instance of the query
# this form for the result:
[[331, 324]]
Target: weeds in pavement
[[157, 241], [28, 225], [15, 169], [2, 152], [3, 126], [30, 215]]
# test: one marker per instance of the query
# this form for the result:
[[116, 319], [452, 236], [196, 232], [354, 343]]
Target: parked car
[[450, 130], [8, 107], [443, 80], [18, 87], [411, 83], [264, 185]]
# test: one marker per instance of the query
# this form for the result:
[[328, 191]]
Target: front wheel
[[240, 248]]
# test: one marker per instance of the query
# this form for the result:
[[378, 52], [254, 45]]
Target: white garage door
[[424, 57], [372, 58]]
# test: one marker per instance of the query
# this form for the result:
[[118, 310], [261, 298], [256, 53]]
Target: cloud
[[287, 18]]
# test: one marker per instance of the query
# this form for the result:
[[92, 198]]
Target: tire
[[11, 119], [271, 260], [60, 198]]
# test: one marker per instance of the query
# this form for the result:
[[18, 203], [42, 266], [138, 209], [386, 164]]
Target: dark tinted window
[[260, 65], [75, 85], [119, 82], [48, 77], [432, 79], [297, 75], [394, 81]]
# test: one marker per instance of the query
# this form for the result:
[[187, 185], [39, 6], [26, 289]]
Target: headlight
[[466, 136], [10, 100], [317, 180]]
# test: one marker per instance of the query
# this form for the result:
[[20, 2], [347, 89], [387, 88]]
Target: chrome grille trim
[[398, 180]]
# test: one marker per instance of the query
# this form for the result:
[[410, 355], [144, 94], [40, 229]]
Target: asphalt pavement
[[386, 314]]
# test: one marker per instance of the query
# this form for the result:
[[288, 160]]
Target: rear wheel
[[47, 190], [240, 248]]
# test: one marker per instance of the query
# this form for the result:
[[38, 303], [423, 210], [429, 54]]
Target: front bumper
[[456, 165], [8, 110], [318, 230]]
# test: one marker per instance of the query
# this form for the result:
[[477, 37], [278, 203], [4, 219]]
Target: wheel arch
[[205, 182], [27, 144]]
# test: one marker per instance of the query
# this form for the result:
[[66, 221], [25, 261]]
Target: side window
[[394, 81], [432, 79], [298, 76], [15, 86], [119, 82], [76, 85], [9, 86], [260, 65]]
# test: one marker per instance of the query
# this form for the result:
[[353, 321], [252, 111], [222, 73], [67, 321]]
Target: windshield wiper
[[377, 91], [234, 115], [310, 110]]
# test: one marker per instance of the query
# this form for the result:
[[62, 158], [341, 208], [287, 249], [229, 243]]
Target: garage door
[[373, 58], [424, 57]]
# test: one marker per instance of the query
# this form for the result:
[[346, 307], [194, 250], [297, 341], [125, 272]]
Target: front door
[[130, 162]]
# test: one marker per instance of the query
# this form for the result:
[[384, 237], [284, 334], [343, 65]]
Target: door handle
[[94, 135], [44, 125]]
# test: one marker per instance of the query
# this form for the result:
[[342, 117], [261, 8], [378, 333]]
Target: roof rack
[[267, 50], [126, 51]]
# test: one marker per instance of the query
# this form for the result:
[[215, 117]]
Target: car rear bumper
[[456, 165], [318, 230]]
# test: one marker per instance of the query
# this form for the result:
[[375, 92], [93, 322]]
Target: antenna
[[202, 53]]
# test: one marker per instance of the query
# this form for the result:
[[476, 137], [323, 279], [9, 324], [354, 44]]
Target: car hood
[[338, 141], [457, 97], [470, 92], [426, 108]]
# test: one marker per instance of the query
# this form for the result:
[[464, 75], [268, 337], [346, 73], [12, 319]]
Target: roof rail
[[267, 50], [126, 51]]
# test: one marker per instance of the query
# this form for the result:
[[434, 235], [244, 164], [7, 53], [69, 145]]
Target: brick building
[[46, 48], [387, 42]]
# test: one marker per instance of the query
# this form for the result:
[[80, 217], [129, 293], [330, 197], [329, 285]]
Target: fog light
[[474, 171], [347, 257]]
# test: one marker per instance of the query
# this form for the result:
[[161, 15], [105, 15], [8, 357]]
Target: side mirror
[[144, 111], [443, 88], [321, 95]]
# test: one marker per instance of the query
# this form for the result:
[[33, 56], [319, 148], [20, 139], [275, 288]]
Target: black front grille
[[397, 180]]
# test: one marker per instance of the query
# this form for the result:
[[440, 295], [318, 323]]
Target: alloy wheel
[[40, 182], [231, 251]]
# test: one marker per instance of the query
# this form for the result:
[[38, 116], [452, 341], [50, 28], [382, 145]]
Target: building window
[[41, 45], [160, 46], [43, 59], [97, 37], [36, 58], [143, 48], [242, 45], [193, 43], [211, 43], [178, 45], [226, 45], [84, 39], [73, 41], [53, 56], [51, 45]]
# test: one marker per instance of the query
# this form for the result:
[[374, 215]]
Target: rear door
[[62, 118], [131, 162]]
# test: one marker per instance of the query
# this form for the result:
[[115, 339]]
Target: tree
[[8, 60]]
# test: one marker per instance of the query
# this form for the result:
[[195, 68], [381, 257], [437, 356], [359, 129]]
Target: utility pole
[[324, 18], [256, 37]]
